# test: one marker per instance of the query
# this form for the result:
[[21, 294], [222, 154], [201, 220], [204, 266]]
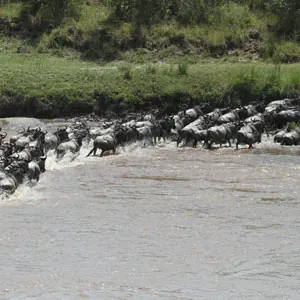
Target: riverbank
[[42, 86], [94, 63]]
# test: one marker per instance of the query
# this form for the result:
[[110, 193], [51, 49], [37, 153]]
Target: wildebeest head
[[18, 169], [242, 112], [62, 134], [2, 136], [167, 124], [79, 138], [42, 163], [7, 149]]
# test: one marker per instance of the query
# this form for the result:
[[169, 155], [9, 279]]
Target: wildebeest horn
[[44, 157], [28, 129]]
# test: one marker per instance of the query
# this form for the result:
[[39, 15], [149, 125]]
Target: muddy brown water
[[156, 223]]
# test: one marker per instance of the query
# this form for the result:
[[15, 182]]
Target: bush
[[126, 71], [182, 68], [287, 52], [288, 12], [51, 11]]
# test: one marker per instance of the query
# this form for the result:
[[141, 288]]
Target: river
[[156, 223]]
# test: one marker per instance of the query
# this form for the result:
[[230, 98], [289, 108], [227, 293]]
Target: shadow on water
[[274, 199], [244, 190], [276, 151], [157, 178]]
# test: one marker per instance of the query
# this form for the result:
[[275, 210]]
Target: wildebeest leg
[[114, 150], [152, 142], [237, 146], [101, 154], [229, 142], [267, 132], [179, 139], [94, 149], [250, 146], [195, 143]]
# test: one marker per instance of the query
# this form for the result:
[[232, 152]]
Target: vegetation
[[69, 56], [143, 30], [50, 87]]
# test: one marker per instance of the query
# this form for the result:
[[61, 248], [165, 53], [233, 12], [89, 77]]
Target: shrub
[[126, 71], [287, 52], [182, 68], [51, 11]]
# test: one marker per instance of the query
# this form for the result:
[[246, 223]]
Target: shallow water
[[156, 223]]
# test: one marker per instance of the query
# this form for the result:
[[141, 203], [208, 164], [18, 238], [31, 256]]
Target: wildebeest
[[247, 111], [148, 130], [97, 131], [193, 113], [35, 168], [221, 133], [22, 133], [188, 133], [6, 149], [8, 182], [278, 137], [199, 135], [2, 136], [291, 138], [197, 130], [13, 175], [165, 126], [229, 117], [26, 139], [285, 116], [125, 134], [23, 155], [52, 140], [249, 134], [275, 107], [259, 120], [105, 143], [72, 146]]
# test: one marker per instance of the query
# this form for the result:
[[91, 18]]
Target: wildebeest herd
[[23, 157]]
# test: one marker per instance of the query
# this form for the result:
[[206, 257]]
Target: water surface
[[156, 223]]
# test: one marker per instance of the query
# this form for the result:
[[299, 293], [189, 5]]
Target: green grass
[[10, 10], [57, 80]]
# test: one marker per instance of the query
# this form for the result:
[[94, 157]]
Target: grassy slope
[[57, 80], [38, 84]]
